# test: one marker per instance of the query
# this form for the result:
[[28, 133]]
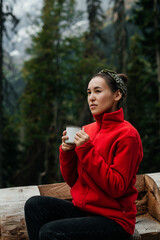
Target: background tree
[[4, 15], [55, 92], [120, 35], [141, 104], [56, 76], [147, 18], [93, 57], [120, 30], [43, 94], [1, 96], [95, 34]]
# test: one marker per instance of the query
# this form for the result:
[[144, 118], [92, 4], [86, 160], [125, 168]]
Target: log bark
[[12, 223], [141, 202], [155, 177], [58, 190], [148, 227], [12, 200], [153, 197]]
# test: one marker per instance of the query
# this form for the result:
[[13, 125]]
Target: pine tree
[[95, 18], [1, 96], [56, 78], [120, 35], [147, 18], [94, 57], [42, 98], [141, 104], [4, 14]]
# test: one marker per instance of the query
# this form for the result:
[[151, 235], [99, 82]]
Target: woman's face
[[100, 97]]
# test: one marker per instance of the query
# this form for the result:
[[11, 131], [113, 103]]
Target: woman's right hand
[[65, 146]]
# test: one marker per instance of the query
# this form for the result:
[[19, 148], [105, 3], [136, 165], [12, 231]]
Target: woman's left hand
[[81, 137]]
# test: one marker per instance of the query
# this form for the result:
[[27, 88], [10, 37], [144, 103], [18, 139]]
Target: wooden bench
[[12, 200]]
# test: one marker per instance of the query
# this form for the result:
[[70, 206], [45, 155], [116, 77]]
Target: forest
[[124, 38]]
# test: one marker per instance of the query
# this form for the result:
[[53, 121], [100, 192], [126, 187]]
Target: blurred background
[[49, 50]]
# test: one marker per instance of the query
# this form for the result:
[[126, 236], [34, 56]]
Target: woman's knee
[[47, 232], [32, 203]]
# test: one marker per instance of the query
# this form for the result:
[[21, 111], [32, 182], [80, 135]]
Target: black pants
[[50, 218]]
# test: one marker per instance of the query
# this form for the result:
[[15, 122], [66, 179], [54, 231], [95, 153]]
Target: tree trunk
[[157, 60], [121, 41], [120, 35], [1, 84]]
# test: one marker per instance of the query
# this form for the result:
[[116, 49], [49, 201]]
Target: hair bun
[[124, 77]]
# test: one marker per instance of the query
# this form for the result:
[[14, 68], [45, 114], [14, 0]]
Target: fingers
[[64, 133], [81, 134], [81, 137], [67, 147], [64, 137]]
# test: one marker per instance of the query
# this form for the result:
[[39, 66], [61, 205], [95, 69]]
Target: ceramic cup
[[71, 132]]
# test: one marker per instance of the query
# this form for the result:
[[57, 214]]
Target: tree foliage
[[56, 79], [6, 13], [144, 106], [57, 73], [120, 35]]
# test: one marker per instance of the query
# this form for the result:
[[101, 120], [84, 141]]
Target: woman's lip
[[93, 106]]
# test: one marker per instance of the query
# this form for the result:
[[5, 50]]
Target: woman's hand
[[81, 137], [65, 146]]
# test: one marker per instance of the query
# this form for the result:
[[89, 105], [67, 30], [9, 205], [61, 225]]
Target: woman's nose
[[92, 96]]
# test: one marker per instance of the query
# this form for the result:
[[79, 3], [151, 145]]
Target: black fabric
[[50, 218]]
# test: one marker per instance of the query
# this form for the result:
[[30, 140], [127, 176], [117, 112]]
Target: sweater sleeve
[[113, 179], [68, 166]]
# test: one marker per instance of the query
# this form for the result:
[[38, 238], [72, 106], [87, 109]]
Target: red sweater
[[102, 171]]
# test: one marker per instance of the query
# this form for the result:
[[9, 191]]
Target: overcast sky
[[33, 8], [22, 6]]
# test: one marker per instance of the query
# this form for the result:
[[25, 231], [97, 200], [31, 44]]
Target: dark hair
[[112, 83]]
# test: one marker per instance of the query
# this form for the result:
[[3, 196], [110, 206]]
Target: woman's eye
[[98, 91], [88, 93]]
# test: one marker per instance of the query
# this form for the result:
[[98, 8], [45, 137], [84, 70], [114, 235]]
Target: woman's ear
[[118, 95]]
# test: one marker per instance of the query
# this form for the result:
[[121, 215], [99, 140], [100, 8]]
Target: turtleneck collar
[[109, 118]]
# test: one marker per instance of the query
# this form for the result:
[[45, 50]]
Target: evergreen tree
[[1, 96], [94, 57], [42, 97], [147, 18], [141, 104], [4, 15], [120, 35], [56, 81], [95, 33]]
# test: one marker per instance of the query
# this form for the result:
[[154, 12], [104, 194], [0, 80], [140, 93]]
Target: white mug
[[71, 132]]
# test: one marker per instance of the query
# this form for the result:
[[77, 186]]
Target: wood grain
[[153, 197], [12, 200], [58, 190]]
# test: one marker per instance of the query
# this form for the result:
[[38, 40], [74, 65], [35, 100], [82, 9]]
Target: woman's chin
[[94, 112]]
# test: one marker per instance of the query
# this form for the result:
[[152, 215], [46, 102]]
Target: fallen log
[[12, 200], [148, 203]]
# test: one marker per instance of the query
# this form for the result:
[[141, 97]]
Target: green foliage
[[145, 17], [56, 78], [11, 150], [142, 98], [40, 102], [8, 135]]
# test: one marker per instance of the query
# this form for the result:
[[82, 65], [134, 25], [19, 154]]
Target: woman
[[101, 170]]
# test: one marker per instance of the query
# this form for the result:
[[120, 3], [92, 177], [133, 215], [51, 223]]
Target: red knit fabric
[[102, 171]]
